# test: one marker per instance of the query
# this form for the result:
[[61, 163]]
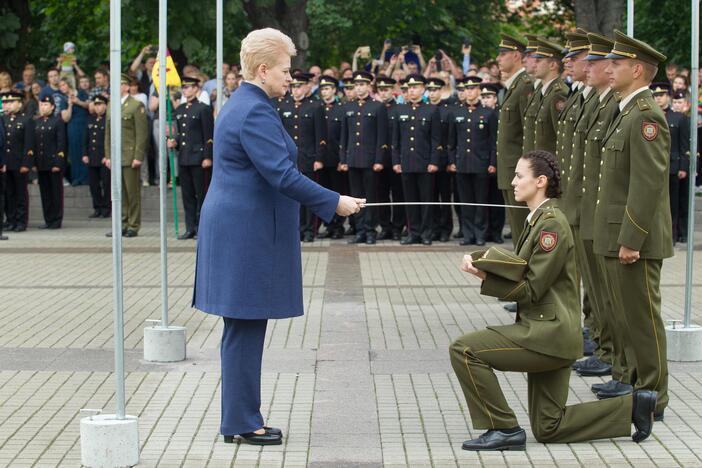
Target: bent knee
[[545, 430]]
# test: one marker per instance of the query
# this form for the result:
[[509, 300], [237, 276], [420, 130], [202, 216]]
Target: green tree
[[666, 26]]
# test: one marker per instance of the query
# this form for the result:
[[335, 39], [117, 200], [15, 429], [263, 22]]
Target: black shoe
[[508, 235], [324, 235], [107, 214], [370, 240], [435, 236], [360, 239], [589, 347], [43, 226], [480, 242], [351, 231], [8, 225], [498, 240], [495, 439], [409, 240], [338, 234], [617, 390], [2, 238], [20, 228], [458, 235], [96, 214], [396, 235], [466, 242], [268, 438], [308, 237], [187, 235], [444, 237], [593, 367], [642, 413], [605, 387], [659, 417], [426, 241], [385, 234], [54, 226], [130, 233], [511, 307]]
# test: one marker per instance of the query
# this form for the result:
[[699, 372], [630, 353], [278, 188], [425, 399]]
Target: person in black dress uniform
[[363, 146], [2, 177], [496, 214], [19, 150], [303, 118], [444, 182], [195, 126], [472, 152], [50, 161], [679, 125], [392, 219], [94, 158], [416, 151], [330, 176]]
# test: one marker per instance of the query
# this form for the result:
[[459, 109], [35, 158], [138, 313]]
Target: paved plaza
[[362, 379]]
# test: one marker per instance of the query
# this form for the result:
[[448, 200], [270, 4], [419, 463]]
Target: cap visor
[[614, 56]]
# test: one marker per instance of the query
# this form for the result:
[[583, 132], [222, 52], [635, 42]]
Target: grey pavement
[[362, 379]]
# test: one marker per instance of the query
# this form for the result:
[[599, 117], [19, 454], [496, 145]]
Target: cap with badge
[[577, 42], [600, 46], [531, 42], [660, 88], [385, 82], [13, 95], [472, 81], [415, 79], [435, 83], [124, 79], [189, 81], [680, 95], [347, 83], [626, 47], [403, 84], [326, 80], [48, 99], [299, 78], [362, 76], [511, 43], [548, 49], [100, 99], [488, 89]]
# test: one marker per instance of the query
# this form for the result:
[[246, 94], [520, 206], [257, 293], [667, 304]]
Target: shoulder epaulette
[[643, 104]]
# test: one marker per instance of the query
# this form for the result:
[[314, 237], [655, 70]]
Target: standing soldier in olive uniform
[[415, 155], [546, 337], [193, 141], [632, 216], [612, 324], [330, 176], [531, 108], [679, 126], [135, 139], [553, 95], [50, 161], [510, 130], [390, 188], [472, 143], [363, 145], [94, 158], [496, 214], [444, 182], [303, 118], [19, 149]]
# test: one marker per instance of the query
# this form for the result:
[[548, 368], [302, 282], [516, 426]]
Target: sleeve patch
[[548, 240], [649, 130]]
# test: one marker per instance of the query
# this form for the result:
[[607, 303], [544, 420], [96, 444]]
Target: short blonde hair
[[263, 46]]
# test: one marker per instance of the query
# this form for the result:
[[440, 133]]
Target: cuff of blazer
[[496, 286]]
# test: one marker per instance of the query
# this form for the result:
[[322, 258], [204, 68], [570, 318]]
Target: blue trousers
[[241, 353]]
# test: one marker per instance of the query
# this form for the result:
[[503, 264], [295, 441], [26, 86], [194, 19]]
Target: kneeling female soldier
[[545, 339]]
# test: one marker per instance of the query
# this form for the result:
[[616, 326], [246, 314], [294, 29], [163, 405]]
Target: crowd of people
[[428, 163]]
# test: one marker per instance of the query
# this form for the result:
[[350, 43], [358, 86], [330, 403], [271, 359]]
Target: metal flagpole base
[[164, 344], [108, 441], [684, 343]]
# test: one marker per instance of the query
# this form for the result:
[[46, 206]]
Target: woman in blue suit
[[248, 251]]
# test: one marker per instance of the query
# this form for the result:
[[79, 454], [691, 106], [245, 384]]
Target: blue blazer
[[248, 249]]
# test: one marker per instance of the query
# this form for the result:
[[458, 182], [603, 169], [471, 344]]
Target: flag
[[172, 77]]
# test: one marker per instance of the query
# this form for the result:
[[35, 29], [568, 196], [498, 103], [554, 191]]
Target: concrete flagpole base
[[164, 344], [108, 441], [684, 344]]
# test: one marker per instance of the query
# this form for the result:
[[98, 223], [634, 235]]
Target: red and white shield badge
[[649, 130], [548, 240]]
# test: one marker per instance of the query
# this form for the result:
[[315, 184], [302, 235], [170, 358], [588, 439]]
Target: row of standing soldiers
[[420, 151]]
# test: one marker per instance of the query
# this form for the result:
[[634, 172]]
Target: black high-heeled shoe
[[271, 436]]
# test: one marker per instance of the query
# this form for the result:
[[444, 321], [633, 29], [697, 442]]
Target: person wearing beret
[[363, 145], [544, 340], [678, 185], [632, 228], [194, 125], [303, 118], [50, 161], [416, 146], [135, 138], [248, 264], [18, 156], [94, 158], [519, 89]]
